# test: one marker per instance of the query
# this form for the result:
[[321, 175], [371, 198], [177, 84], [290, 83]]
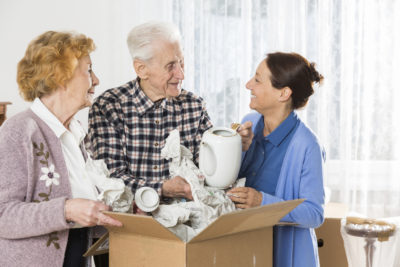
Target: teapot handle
[[214, 156]]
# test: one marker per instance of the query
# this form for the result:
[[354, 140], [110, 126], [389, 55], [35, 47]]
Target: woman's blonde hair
[[50, 61]]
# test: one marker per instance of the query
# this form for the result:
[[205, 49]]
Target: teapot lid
[[223, 132]]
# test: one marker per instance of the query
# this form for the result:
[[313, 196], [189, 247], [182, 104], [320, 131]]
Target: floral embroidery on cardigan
[[51, 178]]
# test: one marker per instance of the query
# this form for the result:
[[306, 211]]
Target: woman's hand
[[247, 135], [245, 197], [88, 212]]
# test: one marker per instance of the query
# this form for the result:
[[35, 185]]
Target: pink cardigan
[[34, 185]]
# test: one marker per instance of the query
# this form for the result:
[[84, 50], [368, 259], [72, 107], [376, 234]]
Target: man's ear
[[286, 92], [140, 69]]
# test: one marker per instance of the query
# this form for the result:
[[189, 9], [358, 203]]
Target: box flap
[[246, 220], [98, 248], [141, 225]]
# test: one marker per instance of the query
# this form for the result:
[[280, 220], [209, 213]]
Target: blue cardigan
[[301, 176]]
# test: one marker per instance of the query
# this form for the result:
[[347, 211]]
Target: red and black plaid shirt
[[128, 131]]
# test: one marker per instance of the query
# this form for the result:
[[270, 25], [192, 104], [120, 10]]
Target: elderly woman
[[285, 159], [45, 206]]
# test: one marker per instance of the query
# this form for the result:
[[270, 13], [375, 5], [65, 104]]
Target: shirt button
[[157, 121], [155, 167], [156, 144]]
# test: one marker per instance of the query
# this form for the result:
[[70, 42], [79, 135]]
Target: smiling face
[[80, 88], [161, 77], [264, 97]]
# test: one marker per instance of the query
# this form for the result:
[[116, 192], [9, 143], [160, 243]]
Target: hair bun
[[315, 75]]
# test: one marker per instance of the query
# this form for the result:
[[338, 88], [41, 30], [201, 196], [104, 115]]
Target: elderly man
[[128, 125]]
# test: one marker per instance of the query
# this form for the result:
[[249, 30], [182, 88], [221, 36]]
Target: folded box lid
[[230, 223], [247, 220], [141, 225]]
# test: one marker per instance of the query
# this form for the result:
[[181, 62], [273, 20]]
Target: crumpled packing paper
[[112, 191], [187, 219]]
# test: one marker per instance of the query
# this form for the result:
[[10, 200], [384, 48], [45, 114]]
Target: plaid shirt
[[128, 131]]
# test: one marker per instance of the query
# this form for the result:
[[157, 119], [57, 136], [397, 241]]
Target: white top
[[81, 184]]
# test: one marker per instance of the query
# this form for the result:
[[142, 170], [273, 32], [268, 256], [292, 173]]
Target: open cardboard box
[[240, 238], [330, 242]]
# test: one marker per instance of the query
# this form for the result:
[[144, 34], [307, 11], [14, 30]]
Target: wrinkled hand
[[177, 187], [88, 212], [245, 197], [247, 135]]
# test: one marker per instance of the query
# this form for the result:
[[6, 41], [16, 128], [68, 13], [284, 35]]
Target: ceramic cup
[[147, 199]]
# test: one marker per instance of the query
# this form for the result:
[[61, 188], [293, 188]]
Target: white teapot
[[220, 156]]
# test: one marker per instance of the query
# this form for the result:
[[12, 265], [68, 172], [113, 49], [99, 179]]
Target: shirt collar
[[49, 118], [277, 136], [168, 104], [144, 103], [77, 130], [54, 124]]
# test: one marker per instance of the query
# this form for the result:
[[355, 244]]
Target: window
[[355, 113]]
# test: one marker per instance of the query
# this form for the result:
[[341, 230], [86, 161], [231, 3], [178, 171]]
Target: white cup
[[147, 199]]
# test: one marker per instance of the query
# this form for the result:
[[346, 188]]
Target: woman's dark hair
[[295, 72]]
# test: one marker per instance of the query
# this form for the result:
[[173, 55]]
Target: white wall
[[106, 22]]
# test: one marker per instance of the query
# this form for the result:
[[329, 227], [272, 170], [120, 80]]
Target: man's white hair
[[142, 37]]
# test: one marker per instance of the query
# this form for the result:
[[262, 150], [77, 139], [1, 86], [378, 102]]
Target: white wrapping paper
[[112, 191], [186, 219]]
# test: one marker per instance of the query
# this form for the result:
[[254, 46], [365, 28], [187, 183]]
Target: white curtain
[[355, 45]]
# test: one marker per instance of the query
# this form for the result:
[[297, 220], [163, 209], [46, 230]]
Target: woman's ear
[[140, 69], [286, 92], [62, 87]]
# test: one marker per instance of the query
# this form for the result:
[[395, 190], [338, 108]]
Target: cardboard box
[[241, 238], [99, 247], [330, 242]]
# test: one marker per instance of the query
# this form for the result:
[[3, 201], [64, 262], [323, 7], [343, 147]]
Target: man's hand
[[177, 187], [245, 197], [247, 135]]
